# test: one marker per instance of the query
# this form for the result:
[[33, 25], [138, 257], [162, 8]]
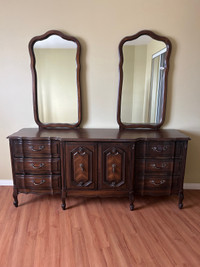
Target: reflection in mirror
[[55, 63], [143, 71]]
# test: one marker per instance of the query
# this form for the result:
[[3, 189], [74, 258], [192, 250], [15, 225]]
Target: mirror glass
[[57, 92], [143, 81]]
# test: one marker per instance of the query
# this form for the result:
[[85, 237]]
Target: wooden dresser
[[98, 162]]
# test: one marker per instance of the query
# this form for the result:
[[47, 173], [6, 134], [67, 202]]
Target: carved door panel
[[81, 166], [114, 166]]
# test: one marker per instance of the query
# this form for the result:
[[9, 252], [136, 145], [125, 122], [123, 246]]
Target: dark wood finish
[[98, 162], [34, 77], [114, 169], [100, 135], [81, 162], [168, 45]]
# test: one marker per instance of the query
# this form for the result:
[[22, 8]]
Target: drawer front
[[115, 166], [154, 185], [155, 149], [160, 149], [37, 166], [38, 182], [36, 149], [81, 166], [148, 166]]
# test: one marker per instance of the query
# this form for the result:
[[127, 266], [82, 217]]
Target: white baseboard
[[6, 182], [192, 186]]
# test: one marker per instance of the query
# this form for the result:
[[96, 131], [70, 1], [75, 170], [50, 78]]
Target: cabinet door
[[81, 166], [114, 169]]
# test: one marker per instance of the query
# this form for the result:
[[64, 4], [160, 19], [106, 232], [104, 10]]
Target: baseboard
[[6, 182], [192, 186]]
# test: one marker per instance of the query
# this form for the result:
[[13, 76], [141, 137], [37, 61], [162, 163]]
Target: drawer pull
[[158, 183], [82, 167], [163, 165], [159, 148], [113, 184], [42, 182], [37, 166], [40, 148], [114, 168]]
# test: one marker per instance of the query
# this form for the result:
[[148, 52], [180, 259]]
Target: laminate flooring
[[96, 232]]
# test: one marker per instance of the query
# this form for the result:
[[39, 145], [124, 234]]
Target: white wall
[[100, 25]]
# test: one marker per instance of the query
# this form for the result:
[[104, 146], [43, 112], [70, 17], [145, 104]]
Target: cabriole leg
[[15, 194], [63, 205], [131, 200], [181, 197]]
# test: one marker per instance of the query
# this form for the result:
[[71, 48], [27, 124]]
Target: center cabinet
[[102, 167], [112, 166]]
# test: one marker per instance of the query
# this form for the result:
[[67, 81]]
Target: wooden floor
[[99, 232]]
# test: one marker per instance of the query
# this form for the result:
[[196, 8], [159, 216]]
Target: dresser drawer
[[36, 149], [37, 166], [160, 149], [38, 182], [155, 149], [154, 185], [148, 166]]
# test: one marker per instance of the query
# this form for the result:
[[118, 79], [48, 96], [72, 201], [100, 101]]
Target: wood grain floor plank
[[97, 232]]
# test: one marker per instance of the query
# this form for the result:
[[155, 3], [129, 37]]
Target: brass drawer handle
[[42, 182], [158, 183], [159, 148], [114, 168], [40, 148], [163, 165], [37, 166], [113, 184], [82, 167]]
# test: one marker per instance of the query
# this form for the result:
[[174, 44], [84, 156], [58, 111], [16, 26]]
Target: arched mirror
[[144, 65], [55, 65]]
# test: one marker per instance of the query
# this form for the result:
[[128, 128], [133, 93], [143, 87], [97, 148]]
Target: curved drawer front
[[155, 149], [36, 149], [148, 166], [38, 182], [37, 166], [160, 149], [154, 185]]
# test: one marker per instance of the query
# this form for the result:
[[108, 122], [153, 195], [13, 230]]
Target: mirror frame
[[34, 78], [168, 46]]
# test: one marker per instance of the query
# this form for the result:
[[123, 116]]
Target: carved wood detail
[[114, 167], [81, 166]]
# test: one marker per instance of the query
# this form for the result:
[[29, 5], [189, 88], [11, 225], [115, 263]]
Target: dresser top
[[87, 134]]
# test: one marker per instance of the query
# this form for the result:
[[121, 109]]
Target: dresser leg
[[63, 205], [131, 200], [15, 194], [181, 197]]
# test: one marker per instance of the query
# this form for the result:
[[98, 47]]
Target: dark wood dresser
[[98, 162]]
